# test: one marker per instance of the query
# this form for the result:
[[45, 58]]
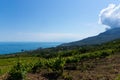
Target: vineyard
[[64, 63]]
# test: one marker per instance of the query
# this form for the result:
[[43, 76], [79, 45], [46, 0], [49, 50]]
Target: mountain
[[106, 36]]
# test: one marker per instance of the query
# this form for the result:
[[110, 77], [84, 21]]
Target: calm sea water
[[13, 47]]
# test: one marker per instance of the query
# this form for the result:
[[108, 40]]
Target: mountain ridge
[[106, 36]]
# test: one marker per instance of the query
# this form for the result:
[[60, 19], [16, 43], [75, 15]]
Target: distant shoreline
[[14, 47]]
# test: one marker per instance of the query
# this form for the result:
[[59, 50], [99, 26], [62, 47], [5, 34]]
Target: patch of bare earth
[[98, 69], [35, 76], [94, 69]]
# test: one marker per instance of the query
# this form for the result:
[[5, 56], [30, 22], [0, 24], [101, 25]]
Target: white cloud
[[110, 16]]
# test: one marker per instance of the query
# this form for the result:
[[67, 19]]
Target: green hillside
[[109, 35], [94, 62]]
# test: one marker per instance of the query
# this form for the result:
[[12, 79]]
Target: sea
[[14, 47]]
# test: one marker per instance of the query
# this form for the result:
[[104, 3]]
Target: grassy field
[[7, 63], [94, 69], [46, 68], [97, 62]]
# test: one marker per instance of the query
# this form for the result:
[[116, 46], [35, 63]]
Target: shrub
[[16, 73], [36, 67], [56, 65]]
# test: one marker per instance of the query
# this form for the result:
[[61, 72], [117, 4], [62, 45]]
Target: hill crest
[[106, 36]]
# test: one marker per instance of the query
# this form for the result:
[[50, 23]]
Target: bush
[[56, 65], [36, 67], [16, 73]]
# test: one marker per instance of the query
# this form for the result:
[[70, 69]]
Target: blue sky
[[50, 20]]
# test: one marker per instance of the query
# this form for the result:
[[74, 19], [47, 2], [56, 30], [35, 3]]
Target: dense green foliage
[[17, 72], [53, 59]]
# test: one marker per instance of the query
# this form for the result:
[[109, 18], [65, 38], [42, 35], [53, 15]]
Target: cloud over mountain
[[110, 16]]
